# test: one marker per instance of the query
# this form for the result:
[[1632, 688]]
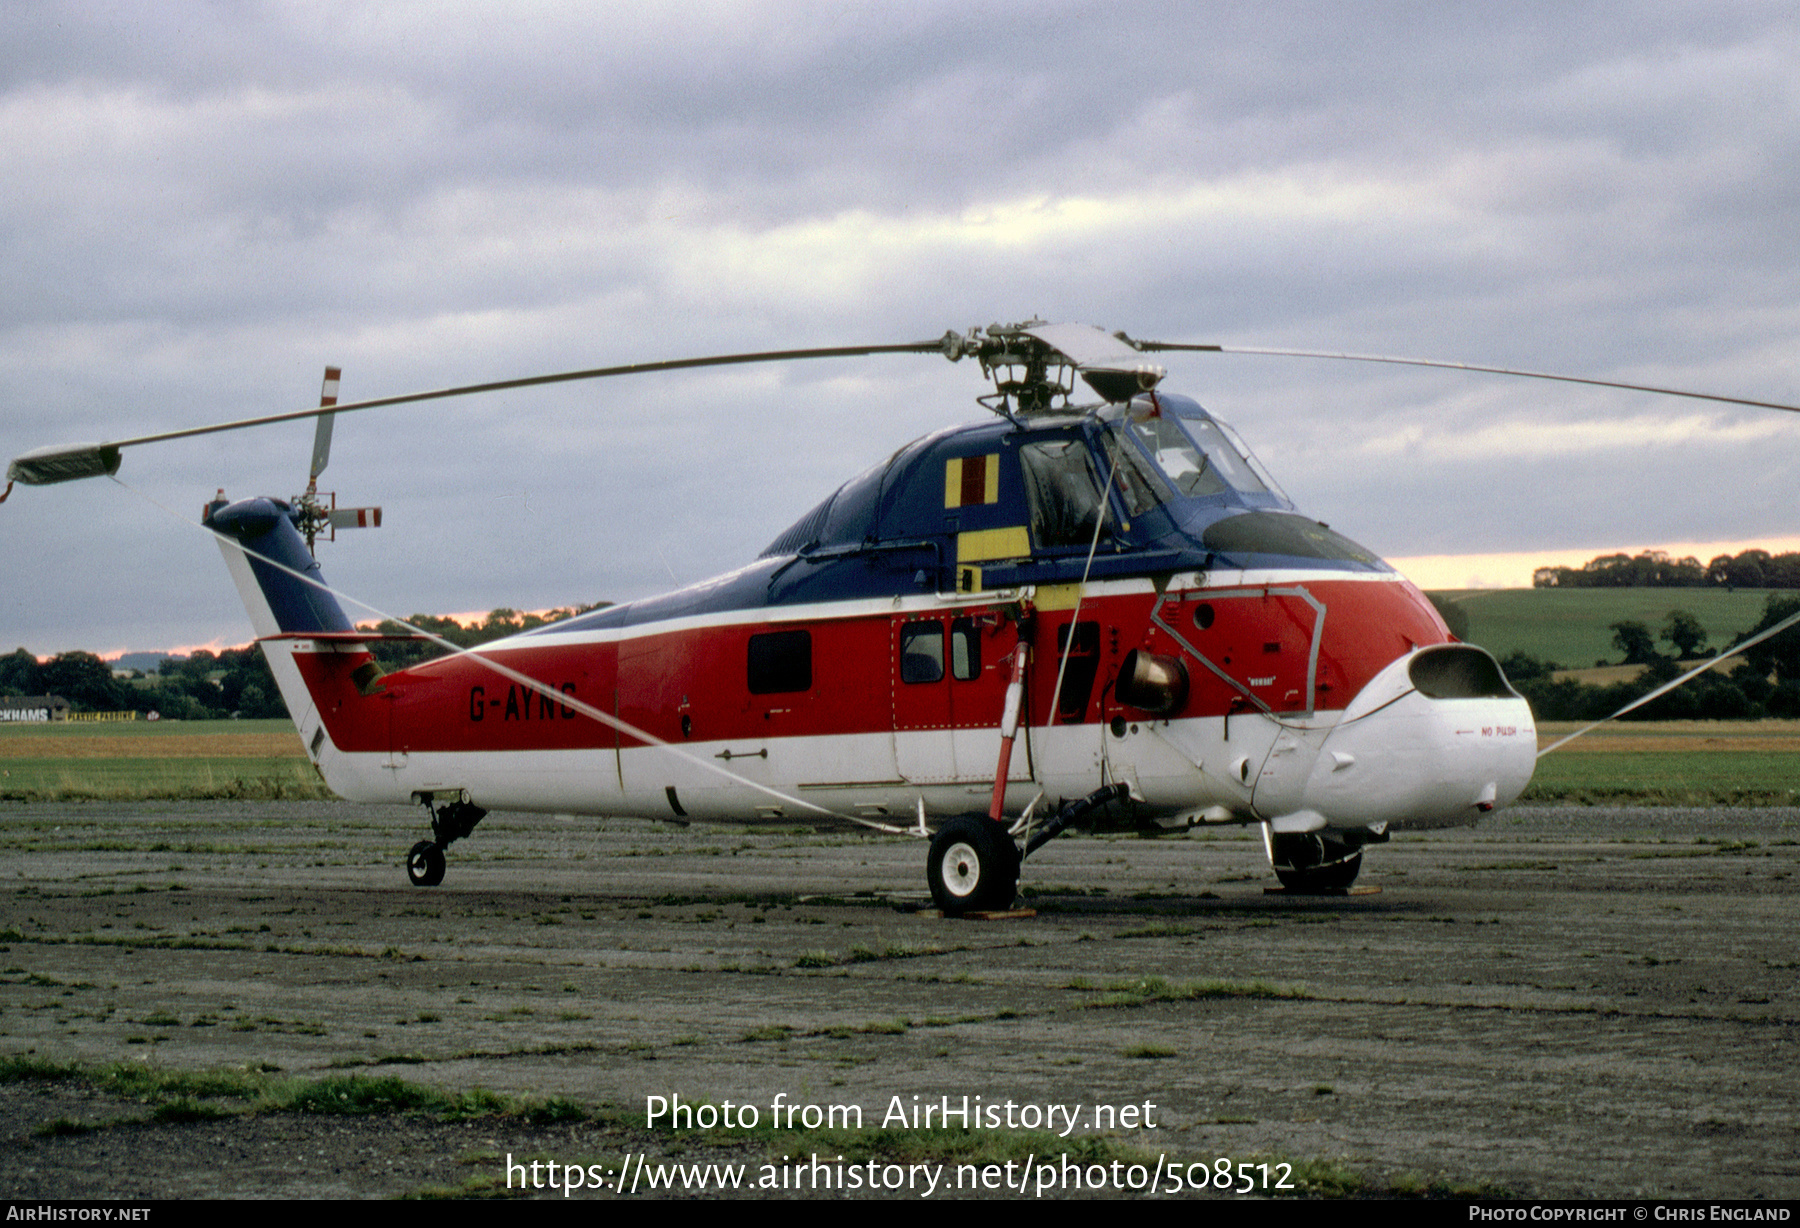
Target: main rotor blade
[[1152, 346], [65, 463], [563, 377]]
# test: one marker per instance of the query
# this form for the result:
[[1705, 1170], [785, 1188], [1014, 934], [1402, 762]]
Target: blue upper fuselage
[[1000, 504]]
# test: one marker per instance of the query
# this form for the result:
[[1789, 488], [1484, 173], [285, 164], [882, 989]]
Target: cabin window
[[1063, 491], [922, 652], [780, 661], [965, 650], [1078, 674]]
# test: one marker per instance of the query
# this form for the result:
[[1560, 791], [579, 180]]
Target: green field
[[1721, 778], [171, 731], [1755, 763], [76, 760], [1572, 626]]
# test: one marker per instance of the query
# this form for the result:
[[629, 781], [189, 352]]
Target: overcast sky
[[206, 203]]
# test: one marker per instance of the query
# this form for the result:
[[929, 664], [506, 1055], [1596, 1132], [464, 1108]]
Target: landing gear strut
[[974, 864], [1074, 812], [452, 818]]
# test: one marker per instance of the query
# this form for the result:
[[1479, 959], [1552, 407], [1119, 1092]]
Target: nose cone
[[1434, 740]]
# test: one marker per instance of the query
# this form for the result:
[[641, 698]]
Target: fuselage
[[1191, 637]]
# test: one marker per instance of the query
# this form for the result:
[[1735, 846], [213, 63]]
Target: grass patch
[[554, 1111], [1160, 929], [773, 1031], [1146, 990], [861, 954], [185, 1096], [1149, 1052], [1697, 777], [136, 1080], [186, 1108]]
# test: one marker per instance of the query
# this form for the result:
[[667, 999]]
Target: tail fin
[[268, 558], [262, 534]]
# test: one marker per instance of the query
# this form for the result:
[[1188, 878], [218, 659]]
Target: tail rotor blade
[[328, 396], [354, 518]]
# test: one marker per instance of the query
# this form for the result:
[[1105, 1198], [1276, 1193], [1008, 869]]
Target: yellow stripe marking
[[979, 545]]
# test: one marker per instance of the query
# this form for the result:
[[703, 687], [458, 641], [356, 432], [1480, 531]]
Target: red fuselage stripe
[[692, 684]]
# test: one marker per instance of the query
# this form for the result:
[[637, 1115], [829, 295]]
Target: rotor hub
[[1033, 364]]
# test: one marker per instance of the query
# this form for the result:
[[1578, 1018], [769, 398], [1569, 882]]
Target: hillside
[[1572, 626]]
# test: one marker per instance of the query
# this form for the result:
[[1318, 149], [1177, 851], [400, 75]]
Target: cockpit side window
[[1140, 484], [1216, 458], [1256, 466], [1190, 468], [1063, 491], [1191, 451], [1224, 457]]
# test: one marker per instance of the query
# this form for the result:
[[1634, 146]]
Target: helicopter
[[1094, 607]]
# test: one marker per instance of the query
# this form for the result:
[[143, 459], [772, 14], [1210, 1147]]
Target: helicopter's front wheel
[[425, 864], [973, 866], [1310, 864]]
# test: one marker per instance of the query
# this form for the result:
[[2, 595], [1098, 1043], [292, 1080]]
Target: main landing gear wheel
[[1310, 864], [451, 820], [425, 864], [973, 866]]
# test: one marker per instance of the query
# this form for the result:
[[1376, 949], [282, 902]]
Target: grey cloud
[[214, 201]]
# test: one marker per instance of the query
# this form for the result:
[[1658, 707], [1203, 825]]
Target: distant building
[[28, 708]]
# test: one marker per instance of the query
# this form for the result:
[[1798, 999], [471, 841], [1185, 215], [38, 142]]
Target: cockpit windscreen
[[1194, 455]]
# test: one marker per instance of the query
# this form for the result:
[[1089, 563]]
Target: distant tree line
[[236, 682], [1655, 569], [203, 686], [400, 653], [1766, 682]]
